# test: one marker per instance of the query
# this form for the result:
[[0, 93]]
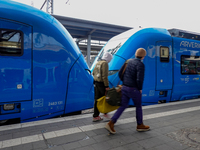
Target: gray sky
[[181, 14]]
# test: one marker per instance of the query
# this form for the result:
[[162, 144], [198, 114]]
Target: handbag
[[113, 95], [104, 107]]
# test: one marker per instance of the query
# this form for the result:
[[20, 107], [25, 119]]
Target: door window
[[11, 42], [164, 54]]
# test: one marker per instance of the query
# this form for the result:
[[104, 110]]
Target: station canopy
[[81, 29]]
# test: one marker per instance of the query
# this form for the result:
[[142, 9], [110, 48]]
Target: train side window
[[190, 64], [164, 54], [11, 42]]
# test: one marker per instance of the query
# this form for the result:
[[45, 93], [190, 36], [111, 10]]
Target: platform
[[174, 126]]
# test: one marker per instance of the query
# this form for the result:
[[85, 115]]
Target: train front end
[[42, 71]]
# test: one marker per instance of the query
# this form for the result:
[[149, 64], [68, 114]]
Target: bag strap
[[126, 63]]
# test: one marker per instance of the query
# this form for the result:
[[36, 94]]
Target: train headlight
[[8, 106], [111, 72]]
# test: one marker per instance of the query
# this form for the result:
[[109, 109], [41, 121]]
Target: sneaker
[[142, 127], [95, 119], [106, 116], [110, 127]]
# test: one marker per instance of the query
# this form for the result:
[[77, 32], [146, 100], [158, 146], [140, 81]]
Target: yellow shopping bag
[[103, 106]]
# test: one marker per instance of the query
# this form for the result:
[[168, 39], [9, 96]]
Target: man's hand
[[141, 91], [107, 88]]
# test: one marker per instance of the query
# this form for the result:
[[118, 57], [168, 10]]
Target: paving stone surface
[[187, 136], [174, 126]]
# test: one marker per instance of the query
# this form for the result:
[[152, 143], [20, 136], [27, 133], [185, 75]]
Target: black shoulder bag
[[113, 95]]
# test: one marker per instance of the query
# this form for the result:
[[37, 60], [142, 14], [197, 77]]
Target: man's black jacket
[[134, 74]]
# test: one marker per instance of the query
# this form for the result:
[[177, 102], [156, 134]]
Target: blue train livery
[[172, 64], [42, 71]]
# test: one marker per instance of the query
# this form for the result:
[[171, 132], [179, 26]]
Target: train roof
[[184, 34], [22, 13]]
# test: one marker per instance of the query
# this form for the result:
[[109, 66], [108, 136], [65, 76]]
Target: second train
[[172, 64]]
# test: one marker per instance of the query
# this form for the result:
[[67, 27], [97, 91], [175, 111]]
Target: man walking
[[133, 78]]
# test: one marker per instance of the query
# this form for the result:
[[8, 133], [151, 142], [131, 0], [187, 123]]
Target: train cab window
[[11, 42], [164, 54], [190, 64]]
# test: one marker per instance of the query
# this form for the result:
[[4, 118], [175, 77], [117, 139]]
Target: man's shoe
[[95, 119], [110, 127], [142, 127]]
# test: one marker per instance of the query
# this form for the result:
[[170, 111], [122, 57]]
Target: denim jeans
[[135, 95]]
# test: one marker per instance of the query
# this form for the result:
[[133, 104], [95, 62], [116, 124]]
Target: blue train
[[42, 71], [172, 64]]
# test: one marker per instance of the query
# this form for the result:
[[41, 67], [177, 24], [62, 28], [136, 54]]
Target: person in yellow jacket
[[101, 84]]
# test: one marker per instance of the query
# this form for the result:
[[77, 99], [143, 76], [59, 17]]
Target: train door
[[15, 61], [164, 78]]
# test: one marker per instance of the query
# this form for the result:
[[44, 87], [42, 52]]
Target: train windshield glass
[[10, 42], [116, 42], [112, 47]]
